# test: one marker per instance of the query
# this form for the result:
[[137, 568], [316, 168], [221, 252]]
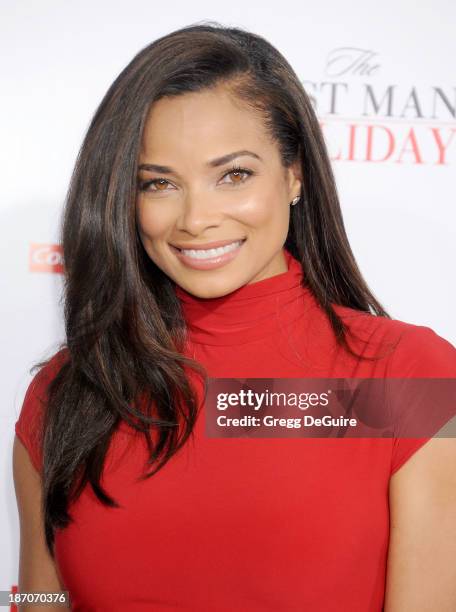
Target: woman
[[207, 140]]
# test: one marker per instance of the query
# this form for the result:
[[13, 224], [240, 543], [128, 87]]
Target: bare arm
[[37, 569], [421, 570]]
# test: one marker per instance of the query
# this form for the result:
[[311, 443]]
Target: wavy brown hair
[[124, 326]]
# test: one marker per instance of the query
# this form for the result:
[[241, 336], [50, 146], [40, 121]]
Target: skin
[[197, 204], [421, 570], [37, 570]]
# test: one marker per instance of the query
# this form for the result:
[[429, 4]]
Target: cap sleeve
[[29, 425], [420, 353]]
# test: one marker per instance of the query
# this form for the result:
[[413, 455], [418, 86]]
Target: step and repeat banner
[[381, 80]]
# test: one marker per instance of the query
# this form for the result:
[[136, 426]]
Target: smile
[[207, 259], [211, 253]]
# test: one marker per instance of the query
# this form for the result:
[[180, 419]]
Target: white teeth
[[211, 253]]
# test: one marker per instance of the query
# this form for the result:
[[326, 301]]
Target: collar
[[249, 313]]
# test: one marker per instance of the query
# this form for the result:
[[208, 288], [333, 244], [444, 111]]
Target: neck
[[249, 313]]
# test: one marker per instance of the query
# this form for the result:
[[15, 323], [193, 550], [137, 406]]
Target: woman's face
[[189, 197]]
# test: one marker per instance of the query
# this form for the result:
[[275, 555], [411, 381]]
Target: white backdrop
[[381, 77]]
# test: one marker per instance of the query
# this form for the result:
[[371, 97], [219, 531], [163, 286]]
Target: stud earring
[[295, 200]]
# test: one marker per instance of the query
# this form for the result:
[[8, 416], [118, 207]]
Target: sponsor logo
[[46, 258]]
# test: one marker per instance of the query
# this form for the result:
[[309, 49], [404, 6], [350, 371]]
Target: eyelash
[[143, 185]]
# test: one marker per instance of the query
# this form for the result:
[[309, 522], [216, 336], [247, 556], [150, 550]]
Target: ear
[[295, 179]]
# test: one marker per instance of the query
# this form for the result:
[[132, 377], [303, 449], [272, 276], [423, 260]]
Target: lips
[[206, 246], [208, 260]]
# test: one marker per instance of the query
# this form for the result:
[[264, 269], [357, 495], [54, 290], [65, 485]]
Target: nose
[[199, 212]]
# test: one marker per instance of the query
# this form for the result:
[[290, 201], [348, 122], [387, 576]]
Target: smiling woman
[[203, 236]]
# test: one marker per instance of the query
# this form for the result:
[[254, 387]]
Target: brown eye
[[161, 185], [239, 175]]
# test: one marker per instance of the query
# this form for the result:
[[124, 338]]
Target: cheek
[[264, 211], [153, 221]]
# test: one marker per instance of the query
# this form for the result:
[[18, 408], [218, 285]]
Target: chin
[[215, 289]]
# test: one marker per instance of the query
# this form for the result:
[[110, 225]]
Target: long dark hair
[[123, 356]]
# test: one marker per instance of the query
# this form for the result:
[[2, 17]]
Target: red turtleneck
[[241, 523]]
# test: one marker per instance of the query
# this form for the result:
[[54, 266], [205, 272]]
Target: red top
[[248, 524]]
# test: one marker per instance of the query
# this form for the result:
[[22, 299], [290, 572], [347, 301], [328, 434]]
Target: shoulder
[[423, 352], [416, 350], [29, 424], [49, 368], [38, 386]]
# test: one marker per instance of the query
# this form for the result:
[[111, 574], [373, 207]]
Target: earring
[[295, 200]]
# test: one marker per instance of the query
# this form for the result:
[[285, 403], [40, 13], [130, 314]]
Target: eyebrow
[[213, 163]]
